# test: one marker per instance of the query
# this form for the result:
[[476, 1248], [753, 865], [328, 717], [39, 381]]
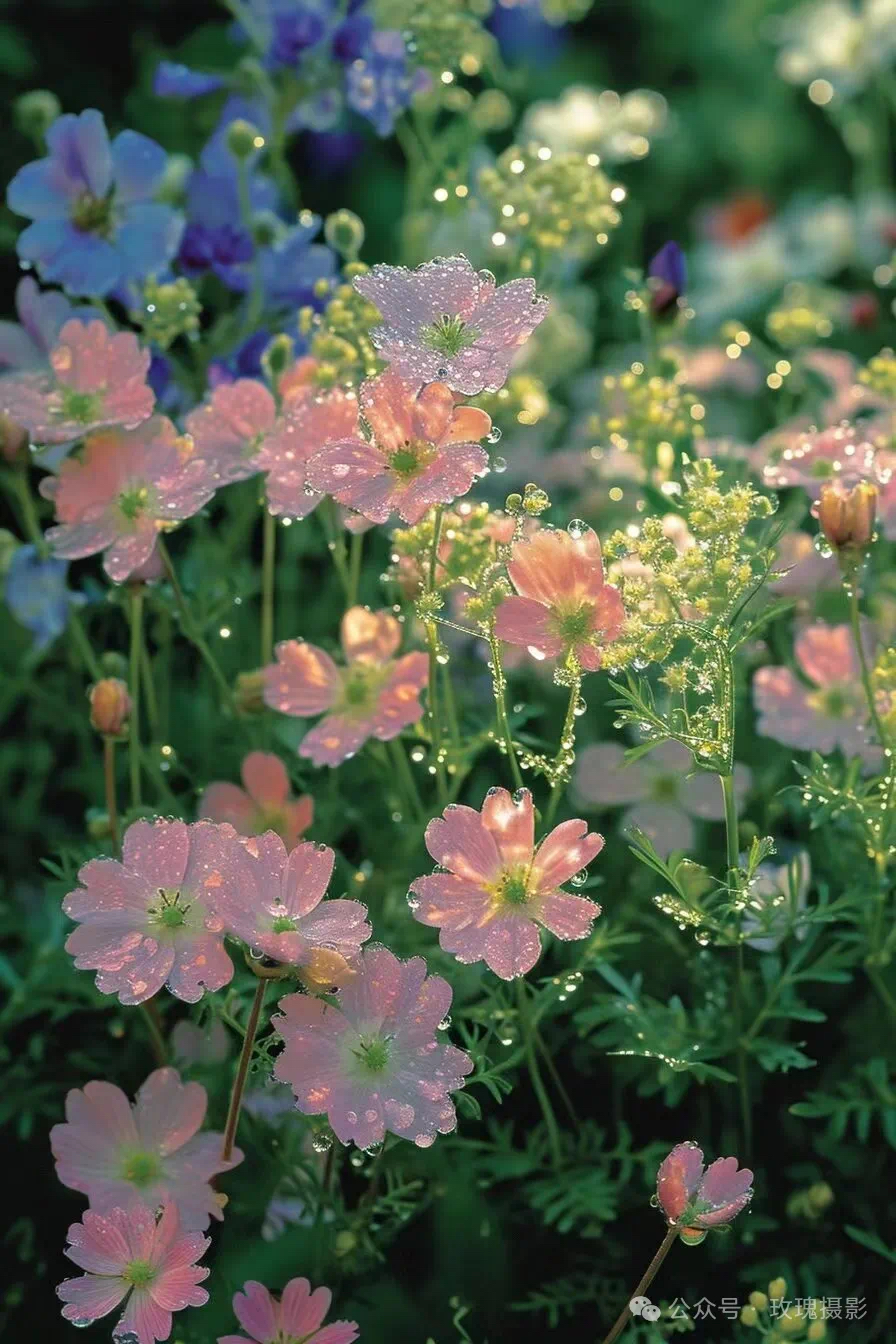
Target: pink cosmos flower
[[655, 790], [800, 569], [282, 910], [264, 804], [828, 713], [152, 919], [296, 1317], [843, 452], [374, 695], [499, 888], [446, 322], [130, 1157], [311, 419], [131, 1257], [371, 1062], [123, 489], [230, 428], [423, 452], [695, 1199], [96, 378], [564, 606]]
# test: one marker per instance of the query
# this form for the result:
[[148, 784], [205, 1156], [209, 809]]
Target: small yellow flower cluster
[[880, 373], [547, 203], [339, 337], [649, 414], [441, 37], [810, 1203], [883, 678], [169, 310], [469, 536], [803, 316], [779, 1318]]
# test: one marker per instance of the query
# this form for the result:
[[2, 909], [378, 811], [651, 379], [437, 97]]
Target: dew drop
[[445, 1023], [580, 878], [495, 435], [321, 1143], [499, 464]]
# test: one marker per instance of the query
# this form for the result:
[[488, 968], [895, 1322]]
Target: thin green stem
[[732, 848], [643, 1285], [191, 629], [156, 1036], [111, 792], [335, 543], [30, 520], [732, 853], [268, 572], [544, 1101], [499, 685], [356, 552], [404, 772], [432, 639], [855, 620], [242, 1072], [85, 648], [136, 615], [555, 1076], [564, 753], [255, 305], [149, 687]]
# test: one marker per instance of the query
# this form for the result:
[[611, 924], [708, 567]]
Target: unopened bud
[[249, 692], [344, 232], [110, 706], [820, 1195], [278, 357], [817, 1330], [243, 139], [749, 1316], [777, 1289], [759, 1301], [792, 1321], [35, 113], [846, 516]]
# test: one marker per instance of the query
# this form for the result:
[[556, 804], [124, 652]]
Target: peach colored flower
[[229, 429], [373, 695], [499, 888], [263, 804], [312, 418], [296, 1317], [563, 605], [694, 1199]]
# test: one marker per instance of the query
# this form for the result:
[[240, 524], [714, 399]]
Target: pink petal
[[131, 552], [301, 1311], [157, 850], [303, 681], [511, 821], [222, 801], [523, 621], [569, 848], [98, 1243], [204, 965], [138, 977], [398, 704], [467, 425], [460, 842], [307, 876], [265, 778], [176, 1289], [335, 739], [91, 1297], [357, 474], [227, 430], [446, 901], [388, 404], [256, 1311], [666, 825], [603, 777], [447, 477], [340, 924], [726, 1189], [337, 1332], [169, 1112], [544, 567], [369, 636], [782, 708], [678, 1179], [144, 1318], [512, 946], [566, 916], [826, 654]]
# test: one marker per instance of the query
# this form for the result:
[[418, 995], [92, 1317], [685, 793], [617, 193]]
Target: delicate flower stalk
[[242, 1072], [541, 1092], [136, 615], [732, 850], [30, 520], [432, 640], [499, 685], [111, 791], [356, 553], [644, 1283], [153, 1019], [268, 573], [395, 751], [191, 629], [564, 752]]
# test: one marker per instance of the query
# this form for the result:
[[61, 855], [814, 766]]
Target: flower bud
[[278, 357], [110, 706], [249, 692], [817, 1330], [344, 232], [35, 113], [820, 1196], [749, 1316], [114, 664], [243, 139], [791, 1322], [847, 515], [692, 1236], [777, 1289], [759, 1301]]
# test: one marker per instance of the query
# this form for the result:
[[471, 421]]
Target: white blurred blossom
[[616, 127]]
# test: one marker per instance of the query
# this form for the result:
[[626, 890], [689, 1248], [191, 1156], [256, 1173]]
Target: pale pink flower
[[311, 418], [373, 695], [800, 569], [133, 1258], [206, 1045], [229, 429], [827, 714], [446, 322], [564, 605], [499, 888], [659, 797], [282, 911], [296, 1317], [140, 1156], [123, 489], [264, 804], [96, 378], [371, 1061], [152, 919], [423, 451], [694, 1199], [842, 452]]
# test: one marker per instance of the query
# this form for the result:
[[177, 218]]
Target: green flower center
[[360, 688], [449, 335], [822, 469], [133, 501], [575, 625], [141, 1168], [664, 789], [409, 461], [171, 909], [373, 1053], [139, 1273], [513, 888], [93, 214], [82, 407], [283, 924], [835, 702]]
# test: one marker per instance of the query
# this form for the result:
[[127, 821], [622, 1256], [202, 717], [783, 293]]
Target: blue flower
[[290, 266], [380, 83], [96, 226], [215, 237], [172, 80], [37, 595], [668, 278]]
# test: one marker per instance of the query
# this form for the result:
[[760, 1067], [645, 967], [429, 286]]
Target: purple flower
[[42, 314], [290, 266], [172, 80], [96, 225], [446, 322], [37, 595], [380, 84], [668, 278]]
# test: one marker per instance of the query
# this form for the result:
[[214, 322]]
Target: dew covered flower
[[295, 1317], [659, 796], [42, 314], [152, 919], [371, 1061], [843, 452], [423, 451], [96, 378], [96, 226], [132, 1257], [122, 490], [229, 429], [142, 1155], [37, 594], [827, 713], [281, 910], [374, 695], [695, 1199], [263, 804], [498, 888], [563, 605], [311, 418], [447, 322]]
